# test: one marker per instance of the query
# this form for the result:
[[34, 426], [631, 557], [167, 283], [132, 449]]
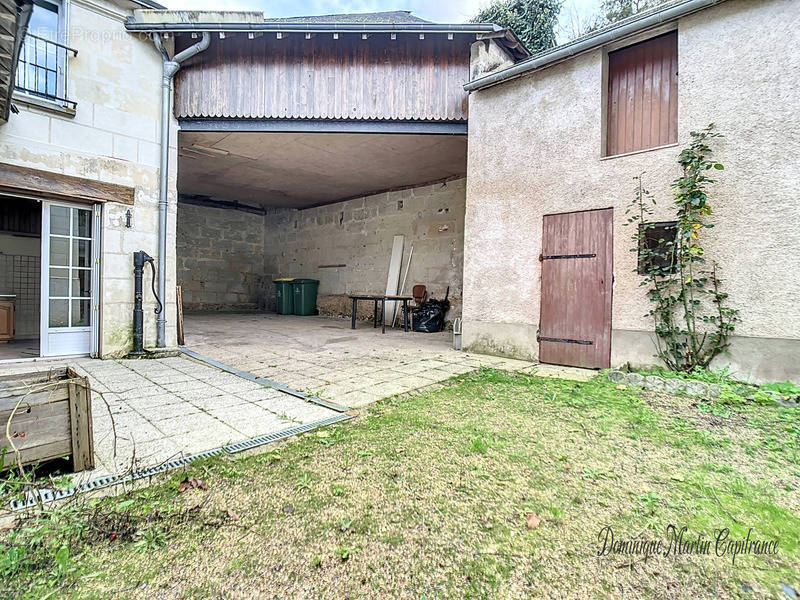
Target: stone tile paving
[[145, 412], [325, 357], [148, 411]]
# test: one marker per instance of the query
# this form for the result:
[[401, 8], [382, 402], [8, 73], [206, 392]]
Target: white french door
[[70, 278]]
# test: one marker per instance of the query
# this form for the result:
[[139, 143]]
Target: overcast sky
[[442, 11]]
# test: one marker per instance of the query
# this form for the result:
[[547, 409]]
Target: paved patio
[[323, 356], [146, 412]]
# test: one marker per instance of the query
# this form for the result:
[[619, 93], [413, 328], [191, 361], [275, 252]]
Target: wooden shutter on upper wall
[[643, 95]]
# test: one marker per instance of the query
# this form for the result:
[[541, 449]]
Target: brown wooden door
[[577, 263]]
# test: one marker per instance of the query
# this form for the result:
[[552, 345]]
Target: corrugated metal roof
[[387, 17]]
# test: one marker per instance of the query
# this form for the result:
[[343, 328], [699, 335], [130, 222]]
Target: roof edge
[[617, 31], [149, 4], [149, 25]]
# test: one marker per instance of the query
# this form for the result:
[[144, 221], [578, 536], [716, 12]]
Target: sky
[[442, 11]]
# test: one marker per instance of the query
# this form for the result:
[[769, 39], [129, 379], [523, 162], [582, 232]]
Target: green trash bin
[[284, 298], [305, 296]]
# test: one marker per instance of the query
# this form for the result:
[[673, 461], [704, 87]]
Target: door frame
[[44, 289]]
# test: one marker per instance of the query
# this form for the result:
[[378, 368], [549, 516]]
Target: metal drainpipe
[[170, 67]]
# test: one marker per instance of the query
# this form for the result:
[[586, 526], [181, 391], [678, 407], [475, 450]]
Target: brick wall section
[[358, 233], [220, 258]]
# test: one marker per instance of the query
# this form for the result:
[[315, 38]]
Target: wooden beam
[[179, 299], [80, 418], [15, 180]]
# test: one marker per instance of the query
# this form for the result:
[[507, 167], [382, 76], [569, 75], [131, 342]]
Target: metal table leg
[[375, 314], [383, 315], [405, 316], [353, 318]]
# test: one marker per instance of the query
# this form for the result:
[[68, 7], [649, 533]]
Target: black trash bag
[[429, 317]]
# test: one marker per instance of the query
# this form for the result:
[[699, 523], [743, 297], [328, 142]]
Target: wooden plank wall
[[643, 95], [323, 78]]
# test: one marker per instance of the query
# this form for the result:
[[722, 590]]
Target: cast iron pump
[[139, 258]]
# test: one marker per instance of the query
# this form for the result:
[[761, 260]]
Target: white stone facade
[[112, 137]]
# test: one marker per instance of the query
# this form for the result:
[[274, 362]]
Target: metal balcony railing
[[42, 69]]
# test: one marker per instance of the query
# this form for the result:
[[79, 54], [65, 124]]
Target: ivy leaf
[[718, 167]]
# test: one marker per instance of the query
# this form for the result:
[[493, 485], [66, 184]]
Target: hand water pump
[[139, 259]]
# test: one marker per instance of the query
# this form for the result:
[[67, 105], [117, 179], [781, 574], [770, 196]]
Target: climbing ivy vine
[[693, 322]]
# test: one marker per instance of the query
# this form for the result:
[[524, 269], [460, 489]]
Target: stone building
[[301, 147], [542, 143], [83, 146]]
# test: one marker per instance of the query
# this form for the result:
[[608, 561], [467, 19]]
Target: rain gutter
[[278, 26], [621, 30]]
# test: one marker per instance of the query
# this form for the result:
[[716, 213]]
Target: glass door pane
[[70, 267]]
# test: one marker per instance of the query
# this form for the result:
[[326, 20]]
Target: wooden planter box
[[52, 419]]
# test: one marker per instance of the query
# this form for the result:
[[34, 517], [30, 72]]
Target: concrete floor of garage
[[323, 356]]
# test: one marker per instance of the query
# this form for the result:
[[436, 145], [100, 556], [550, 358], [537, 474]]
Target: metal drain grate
[[34, 497], [276, 385], [283, 434]]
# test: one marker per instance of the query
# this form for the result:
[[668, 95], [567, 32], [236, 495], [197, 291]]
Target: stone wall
[[220, 258], [111, 136], [534, 148], [359, 234]]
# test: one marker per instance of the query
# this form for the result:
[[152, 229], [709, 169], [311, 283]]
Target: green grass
[[428, 497]]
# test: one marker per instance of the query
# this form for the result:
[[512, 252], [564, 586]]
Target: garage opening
[[256, 207]]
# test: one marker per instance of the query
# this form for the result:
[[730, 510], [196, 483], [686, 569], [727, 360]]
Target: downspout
[[170, 67]]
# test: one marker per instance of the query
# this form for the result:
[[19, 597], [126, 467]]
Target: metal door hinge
[[564, 340], [557, 256]]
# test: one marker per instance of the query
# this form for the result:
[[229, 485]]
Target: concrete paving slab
[[165, 408], [148, 411], [323, 355]]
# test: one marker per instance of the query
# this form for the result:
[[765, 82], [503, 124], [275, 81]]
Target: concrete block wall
[[112, 136], [359, 234], [220, 258]]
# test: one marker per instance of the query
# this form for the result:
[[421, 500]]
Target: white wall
[[112, 137], [534, 148]]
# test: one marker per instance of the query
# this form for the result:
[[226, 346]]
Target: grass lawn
[[430, 496]]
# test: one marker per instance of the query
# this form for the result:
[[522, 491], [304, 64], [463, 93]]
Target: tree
[[533, 21], [612, 11]]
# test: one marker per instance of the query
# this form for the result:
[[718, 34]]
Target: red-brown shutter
[[643, 95]]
